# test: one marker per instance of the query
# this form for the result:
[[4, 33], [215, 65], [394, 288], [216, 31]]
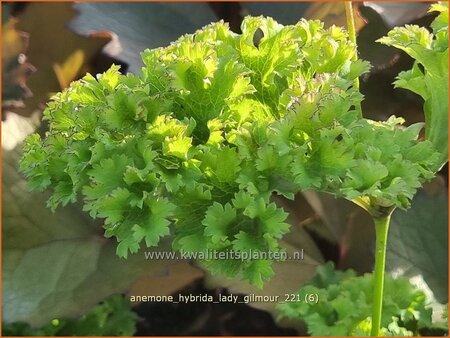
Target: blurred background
[[62, 277]]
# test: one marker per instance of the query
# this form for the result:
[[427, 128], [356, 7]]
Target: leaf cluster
[[429, 74], [345, 300], [215, 125]]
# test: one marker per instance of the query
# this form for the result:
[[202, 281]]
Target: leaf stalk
[[352, 36], [381, 234]]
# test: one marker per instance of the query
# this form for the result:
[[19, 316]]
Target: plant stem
[[381, 232], [352, 36], [351, 25]]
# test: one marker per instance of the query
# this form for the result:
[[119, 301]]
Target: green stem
[[381, 232], [351, 25], [352, 36]]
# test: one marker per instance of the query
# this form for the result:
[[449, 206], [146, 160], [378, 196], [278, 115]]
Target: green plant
[[217, 123], [112, 317], [429, 74], [179, 142], [345, 305]]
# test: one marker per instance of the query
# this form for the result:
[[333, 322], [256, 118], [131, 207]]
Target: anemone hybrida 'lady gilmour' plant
[[217, 122]]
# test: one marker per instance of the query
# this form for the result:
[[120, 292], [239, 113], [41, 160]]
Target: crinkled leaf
[[217, 220], [429, 75]]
